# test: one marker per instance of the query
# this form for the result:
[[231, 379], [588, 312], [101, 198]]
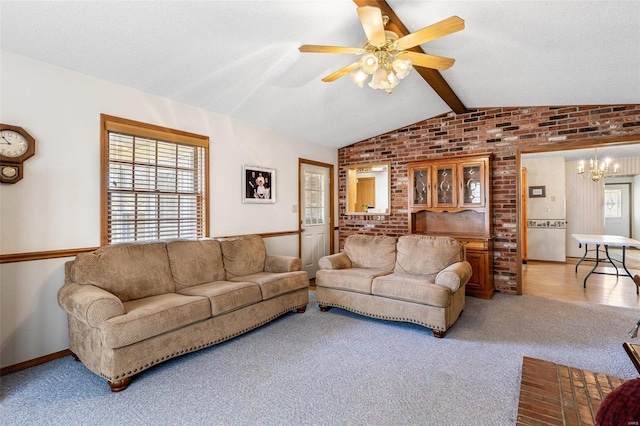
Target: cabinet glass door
[[445, 186], [421, 187], [471, 189]]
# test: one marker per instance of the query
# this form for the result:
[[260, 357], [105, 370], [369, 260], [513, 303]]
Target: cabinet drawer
[[481, 245]]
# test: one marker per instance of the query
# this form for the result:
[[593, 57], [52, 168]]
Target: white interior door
[[617, 210], [314, 208]]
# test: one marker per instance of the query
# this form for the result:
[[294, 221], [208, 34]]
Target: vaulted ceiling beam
[[431, 76]]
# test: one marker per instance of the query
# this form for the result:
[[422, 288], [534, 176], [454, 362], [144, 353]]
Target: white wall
[[546, 216], [585, 203], [57, 204]]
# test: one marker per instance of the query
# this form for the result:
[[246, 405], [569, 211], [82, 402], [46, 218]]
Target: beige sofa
[[131, 306], [416, 278]]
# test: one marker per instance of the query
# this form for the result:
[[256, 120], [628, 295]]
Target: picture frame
[[537, 191], [258, 185]]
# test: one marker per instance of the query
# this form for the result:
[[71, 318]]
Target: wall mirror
[[368, 189]]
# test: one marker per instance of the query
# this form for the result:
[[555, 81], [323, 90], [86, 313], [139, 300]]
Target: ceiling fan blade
[[371, 19], [329, 49], [427, 61], [341, 72], [432, 32]]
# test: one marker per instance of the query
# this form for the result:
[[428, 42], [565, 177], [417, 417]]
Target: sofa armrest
[[278, 263], [89, 304], [335, 261], [455, 275]]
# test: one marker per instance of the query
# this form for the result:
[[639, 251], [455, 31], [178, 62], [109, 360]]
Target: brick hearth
[[553, 394]]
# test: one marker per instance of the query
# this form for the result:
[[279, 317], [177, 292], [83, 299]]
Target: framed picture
[[537, 191], [258, 185]]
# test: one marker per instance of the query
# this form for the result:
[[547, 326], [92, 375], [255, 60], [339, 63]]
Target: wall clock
[[16, 145]]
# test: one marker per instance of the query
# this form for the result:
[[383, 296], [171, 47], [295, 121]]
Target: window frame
[[109, 124]]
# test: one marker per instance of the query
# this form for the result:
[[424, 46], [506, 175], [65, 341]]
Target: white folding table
[[605, 241]]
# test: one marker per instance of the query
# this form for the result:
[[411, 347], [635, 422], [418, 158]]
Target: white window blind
[[155, 189]]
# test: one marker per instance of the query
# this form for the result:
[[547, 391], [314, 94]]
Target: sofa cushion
[[425, 255], [226, 296], [353, 279], [195, 262], [274, 284], [129, 271], [412, 288], [243, 255], [152, 316], [367, 251]]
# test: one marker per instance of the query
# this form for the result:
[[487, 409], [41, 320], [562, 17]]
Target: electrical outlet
[[294, 208], [547, 209]]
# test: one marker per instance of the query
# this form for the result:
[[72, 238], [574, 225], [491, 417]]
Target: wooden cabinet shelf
[[452, 197]]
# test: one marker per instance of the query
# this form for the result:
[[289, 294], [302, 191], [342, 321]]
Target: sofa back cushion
[[425, 255], [195, 262], [243, 255], [129, 271], [367, 251]]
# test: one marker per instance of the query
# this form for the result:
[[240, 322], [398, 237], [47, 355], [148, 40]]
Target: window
[[613, 203], [314, 198], [155, 182]]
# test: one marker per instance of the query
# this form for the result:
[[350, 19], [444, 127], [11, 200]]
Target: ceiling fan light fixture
[[385, 55], [359, 77], [401, 67], [379, 79], [383, 79], [369, 63]]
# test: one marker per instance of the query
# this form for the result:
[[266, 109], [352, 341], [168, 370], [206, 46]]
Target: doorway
[[315, 198], [366, 194], [559, 279], [617, 209]]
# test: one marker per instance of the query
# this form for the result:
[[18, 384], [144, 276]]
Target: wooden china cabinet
[[452, 197]]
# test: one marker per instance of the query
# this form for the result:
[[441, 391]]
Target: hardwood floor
[[560, 281]]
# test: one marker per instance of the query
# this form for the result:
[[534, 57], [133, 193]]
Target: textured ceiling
[[240, 58]]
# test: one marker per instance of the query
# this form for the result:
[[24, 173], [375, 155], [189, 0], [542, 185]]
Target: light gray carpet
[[338, 368]]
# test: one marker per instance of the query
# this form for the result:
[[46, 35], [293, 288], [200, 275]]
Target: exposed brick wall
[[500, 131]]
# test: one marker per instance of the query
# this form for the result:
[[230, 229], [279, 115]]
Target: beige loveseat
[[416, 278], [131, 306]]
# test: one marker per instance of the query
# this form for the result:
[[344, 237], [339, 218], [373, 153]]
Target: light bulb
[[369, 63], [359, 77], [401, 67]]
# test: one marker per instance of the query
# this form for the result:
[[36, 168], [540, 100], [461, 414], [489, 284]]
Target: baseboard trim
[[33, 362]]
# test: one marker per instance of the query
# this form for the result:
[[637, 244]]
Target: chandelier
[[382, 63], [598, 169]]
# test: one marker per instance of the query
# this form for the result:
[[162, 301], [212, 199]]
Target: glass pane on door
[[314, 198], [445, 185], [471, 185], [420, 186]]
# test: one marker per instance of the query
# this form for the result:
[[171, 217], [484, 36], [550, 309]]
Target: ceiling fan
[[385, 56]]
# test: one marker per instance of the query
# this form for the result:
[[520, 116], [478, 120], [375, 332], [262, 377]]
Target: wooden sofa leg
[[324, 308], [301, 310], [120, 385], [438, 333]]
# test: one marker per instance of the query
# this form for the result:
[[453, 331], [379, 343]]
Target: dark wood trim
[[43, 255], [431, 76], [54, 254], [37, 361], [279, 234], [332, 218]]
